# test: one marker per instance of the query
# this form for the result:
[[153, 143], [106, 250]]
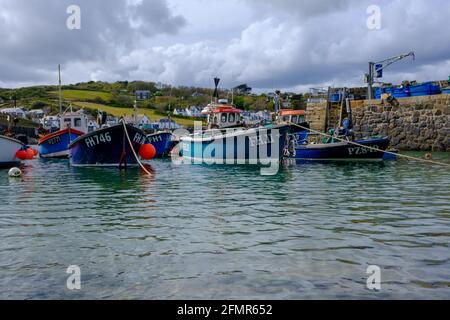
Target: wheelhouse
[[224, 116], [292, 116], [73, 120]]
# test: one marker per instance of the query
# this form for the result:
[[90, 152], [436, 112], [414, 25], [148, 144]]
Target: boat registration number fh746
[[97, 139], [106, 138], [358, 151]]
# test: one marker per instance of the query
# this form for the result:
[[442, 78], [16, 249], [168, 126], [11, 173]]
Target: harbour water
[[205, 232]]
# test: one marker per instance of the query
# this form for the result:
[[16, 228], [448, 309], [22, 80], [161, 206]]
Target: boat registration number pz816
[[358, 151], [97, 139]]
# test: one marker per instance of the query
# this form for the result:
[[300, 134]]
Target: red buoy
[[147, 151], [35, 152], [21, 154]]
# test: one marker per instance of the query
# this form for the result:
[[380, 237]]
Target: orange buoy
[[147, 151], [21, 154], [30, 154], [35, 152]]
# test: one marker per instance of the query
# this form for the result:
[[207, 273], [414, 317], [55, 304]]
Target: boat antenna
[[60, 94], [216, 91]]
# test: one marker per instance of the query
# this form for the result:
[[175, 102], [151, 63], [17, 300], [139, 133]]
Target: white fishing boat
[[8, 150]]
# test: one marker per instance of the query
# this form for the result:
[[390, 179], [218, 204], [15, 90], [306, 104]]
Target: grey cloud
[[35, 35], [284, 44], [301, 8]]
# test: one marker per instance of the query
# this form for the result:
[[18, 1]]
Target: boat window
[[231, 117], [223, 118], [67, 122], [286, 118], [77, 122], [294, 119]]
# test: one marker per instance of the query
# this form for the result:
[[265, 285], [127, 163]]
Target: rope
[[370, 148], [132, 149]]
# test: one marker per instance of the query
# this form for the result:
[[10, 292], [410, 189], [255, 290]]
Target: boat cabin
[[293, 116], [224, 116], [74, 120]]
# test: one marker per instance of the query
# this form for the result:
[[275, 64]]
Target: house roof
[[290, 112]]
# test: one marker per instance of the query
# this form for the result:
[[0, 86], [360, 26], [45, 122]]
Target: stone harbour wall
[[416, 124]]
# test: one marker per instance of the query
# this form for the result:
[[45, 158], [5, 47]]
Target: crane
[[376, 70]]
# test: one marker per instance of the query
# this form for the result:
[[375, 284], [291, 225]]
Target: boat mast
[[60, 93], [135, 115]]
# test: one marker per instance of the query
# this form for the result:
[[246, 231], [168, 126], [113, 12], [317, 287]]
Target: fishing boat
[[114, 146], [228, 141], [360, 150], [261, 145], [56, 144], [163, 143], [71, 126], [340, 143], [8, 151]]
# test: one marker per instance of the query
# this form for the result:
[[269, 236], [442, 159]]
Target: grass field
[[119, 112], [77, 95]]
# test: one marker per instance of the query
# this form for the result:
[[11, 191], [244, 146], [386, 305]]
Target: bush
[[122, 100], [99, 100], [38, 105]]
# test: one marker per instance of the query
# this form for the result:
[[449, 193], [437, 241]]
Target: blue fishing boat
[[163, 143], [231, 143], [108, 147], [361, 150], [56, 144]]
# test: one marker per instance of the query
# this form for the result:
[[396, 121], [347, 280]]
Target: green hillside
[[83, 95], [119, 112]]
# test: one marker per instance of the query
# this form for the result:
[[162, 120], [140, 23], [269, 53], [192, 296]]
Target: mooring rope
[[370, 148], [132, 149]]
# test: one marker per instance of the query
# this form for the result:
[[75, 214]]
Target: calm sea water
[[202, 232]]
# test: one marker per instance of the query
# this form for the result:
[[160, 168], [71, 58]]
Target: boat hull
[[343, 151], [108, 147], [162, 142], [249, 146], [56, 145], [8, 150]]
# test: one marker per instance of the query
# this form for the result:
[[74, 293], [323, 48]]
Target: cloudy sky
[[284, 44]]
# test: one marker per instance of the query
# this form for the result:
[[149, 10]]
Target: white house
[[193, 111], [197, 94], [141, 120], [14, 112], [36, 114], [167, 124], [180, 112]]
